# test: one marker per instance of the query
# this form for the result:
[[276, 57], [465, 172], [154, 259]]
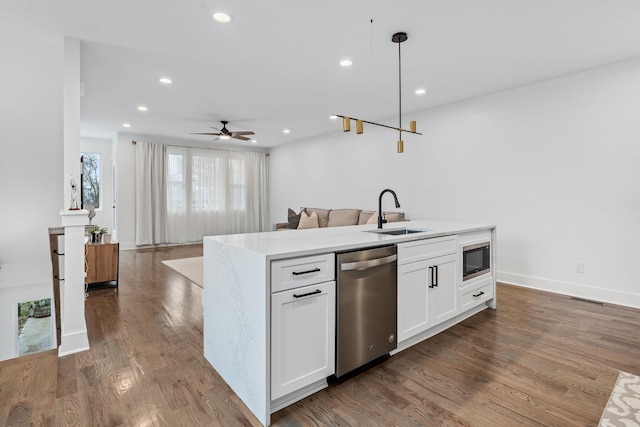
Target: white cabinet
[[476, 293], [302, 337], [427, 284], [477, 290], [302, 331]]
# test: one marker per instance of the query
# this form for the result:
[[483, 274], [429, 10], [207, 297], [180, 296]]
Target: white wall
[[31, 172], [125, 157], [103, 216], [554, 165]]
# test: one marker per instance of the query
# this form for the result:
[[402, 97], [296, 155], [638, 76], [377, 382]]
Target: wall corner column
[[74, 336]]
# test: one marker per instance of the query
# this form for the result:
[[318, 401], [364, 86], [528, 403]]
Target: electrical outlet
[[579, 267]]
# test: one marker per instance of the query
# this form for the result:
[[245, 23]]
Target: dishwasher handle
[[363, 265]]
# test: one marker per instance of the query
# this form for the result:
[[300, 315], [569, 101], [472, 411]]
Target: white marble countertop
[[288, 243]]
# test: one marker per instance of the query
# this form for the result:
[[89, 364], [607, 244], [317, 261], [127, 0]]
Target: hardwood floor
[[540, 359]]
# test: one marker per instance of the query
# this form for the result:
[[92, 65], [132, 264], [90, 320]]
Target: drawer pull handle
[[435, 282], [317, 291], [431, 274], [297, 273], [477, 295]]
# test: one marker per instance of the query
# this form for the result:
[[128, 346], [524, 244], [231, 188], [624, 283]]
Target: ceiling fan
[[225, 133]]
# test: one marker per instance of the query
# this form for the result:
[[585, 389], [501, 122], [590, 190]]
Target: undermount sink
[[398, 231]]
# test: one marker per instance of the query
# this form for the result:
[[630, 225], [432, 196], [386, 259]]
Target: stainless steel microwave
[[476, 260]]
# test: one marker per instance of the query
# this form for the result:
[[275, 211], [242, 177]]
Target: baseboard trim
[[73, 343], [571, 289], [128, 246]]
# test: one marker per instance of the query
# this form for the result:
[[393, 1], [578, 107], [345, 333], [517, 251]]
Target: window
[[91, 178], [176, 185], [34, 326]]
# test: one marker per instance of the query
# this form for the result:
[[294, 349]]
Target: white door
[[413, 299], [302, 337], [444, 288], [114, 188]]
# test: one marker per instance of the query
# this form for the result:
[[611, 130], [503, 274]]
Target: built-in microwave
[[476, 260]]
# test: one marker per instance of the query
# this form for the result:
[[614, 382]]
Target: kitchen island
[[269, 301]]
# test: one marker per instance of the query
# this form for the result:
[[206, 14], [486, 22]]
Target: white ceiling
[[275, 65]]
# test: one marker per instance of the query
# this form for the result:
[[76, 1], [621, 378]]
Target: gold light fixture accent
[[398, 38], [346, 124]]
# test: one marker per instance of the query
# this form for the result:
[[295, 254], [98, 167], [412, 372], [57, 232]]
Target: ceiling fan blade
[[243, 132], [205, 133], [243, 138]]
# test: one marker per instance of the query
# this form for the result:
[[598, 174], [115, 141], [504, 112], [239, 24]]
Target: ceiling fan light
[[224, 137]]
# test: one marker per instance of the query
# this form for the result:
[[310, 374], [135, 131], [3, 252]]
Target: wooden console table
[[102, 264]]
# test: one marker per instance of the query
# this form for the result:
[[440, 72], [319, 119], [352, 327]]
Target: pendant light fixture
[[398, 38]]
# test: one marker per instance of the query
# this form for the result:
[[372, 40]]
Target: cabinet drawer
[[295, 272], [478, 293], [419, 250]]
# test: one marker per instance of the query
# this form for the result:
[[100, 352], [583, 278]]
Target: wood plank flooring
[[539, 360]]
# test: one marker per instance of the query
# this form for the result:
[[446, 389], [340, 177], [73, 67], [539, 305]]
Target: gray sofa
[[336, 217]]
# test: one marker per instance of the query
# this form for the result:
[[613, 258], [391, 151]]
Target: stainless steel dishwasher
[[366, 324]]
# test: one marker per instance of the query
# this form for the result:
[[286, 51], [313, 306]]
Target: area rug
[[191, 268], [623, 407]]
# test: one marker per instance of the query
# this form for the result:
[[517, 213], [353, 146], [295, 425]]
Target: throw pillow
[[394, 216], [340, 217], [323, 215], [373, 219], [308, 221], [293, 218]]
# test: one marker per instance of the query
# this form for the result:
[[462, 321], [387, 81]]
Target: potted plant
[[103, 232], [96, 236]]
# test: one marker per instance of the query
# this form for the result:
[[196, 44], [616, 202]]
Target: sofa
[[319, 218]]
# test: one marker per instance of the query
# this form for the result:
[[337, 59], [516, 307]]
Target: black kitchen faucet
[[382, 220]]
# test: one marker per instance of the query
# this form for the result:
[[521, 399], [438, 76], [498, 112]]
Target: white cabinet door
[[413, 299], [427, 294], [302, 337], [443, 297]]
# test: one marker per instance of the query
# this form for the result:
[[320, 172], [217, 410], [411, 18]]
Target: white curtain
[[151, 195], [211, 192]]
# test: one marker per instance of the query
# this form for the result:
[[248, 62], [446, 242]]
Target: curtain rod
[[134, 142]]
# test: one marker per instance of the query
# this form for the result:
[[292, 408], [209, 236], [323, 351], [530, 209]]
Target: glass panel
[[91, 180], [34, 326]]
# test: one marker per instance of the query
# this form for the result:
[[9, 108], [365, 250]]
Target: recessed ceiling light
[[224, 137], [333, 117], [142, 108], [221, 17], [286, 131], [421, 91], [165, 80], [346, 63], [254, 141], [126, 125]]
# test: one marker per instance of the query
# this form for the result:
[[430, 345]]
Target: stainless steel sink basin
[[398, 231]]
